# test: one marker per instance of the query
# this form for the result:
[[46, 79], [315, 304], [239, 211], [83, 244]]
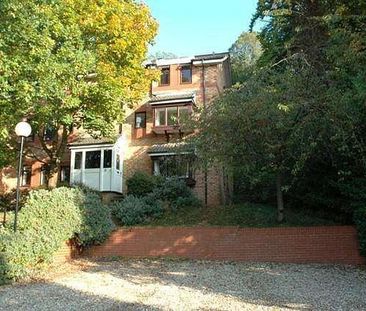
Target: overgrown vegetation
[[136, 210], [241, 215], [46, 221], [294, 130], [140, 184], [151, 197]]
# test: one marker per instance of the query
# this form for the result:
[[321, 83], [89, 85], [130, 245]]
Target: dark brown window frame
[[167, 68], [144, 125], [181, 74]]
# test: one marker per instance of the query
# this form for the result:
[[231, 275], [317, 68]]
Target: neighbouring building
[[151, 139]]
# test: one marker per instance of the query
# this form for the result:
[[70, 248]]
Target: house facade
[[153, 137]]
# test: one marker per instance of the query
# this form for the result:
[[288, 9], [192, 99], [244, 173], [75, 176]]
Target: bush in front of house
[[46, 221], [96, 220], [360, 221], [134, 210], [176, 192], [140, 184]]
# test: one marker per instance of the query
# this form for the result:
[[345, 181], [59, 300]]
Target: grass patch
[[241, 215]]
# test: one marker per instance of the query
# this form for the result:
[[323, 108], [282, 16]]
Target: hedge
[[47, 220]]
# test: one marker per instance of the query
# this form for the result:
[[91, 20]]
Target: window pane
[[170, 166], [165, 76], [172, 115], [92, 159], [183, 113], [160, 117], [65, 174], [107, 163], [118, 162], [44, 172], [186, 74], [78, 157], [140, 120], [26, 175]]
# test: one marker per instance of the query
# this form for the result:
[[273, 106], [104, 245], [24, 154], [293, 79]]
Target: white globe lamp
[[23, 129]]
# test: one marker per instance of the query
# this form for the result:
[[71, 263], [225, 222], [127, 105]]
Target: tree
[[162, 55], [330, 35], [244, 54], [299, 118], [261, 132], [67, 64]]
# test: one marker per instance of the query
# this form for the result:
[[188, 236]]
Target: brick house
[[151, 139]]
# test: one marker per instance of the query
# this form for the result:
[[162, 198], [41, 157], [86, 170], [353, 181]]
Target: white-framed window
[[170, 116], [26, 176], [140, 120], [44, 175]]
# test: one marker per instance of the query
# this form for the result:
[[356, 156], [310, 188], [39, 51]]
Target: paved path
[[192, 285]]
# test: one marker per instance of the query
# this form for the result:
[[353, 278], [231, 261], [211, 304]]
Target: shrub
[[8, 199], [360, 221], [141, 184], [186, 202], [177, 193], [134, 210], [96, 222], [47, 220]]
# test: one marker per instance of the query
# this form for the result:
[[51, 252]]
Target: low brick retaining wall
[[66, 253], [334, 245]]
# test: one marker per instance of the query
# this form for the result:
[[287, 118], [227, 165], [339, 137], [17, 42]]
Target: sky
[[192, 27]]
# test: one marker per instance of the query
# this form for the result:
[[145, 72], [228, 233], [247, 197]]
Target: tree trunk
[[280, 206], [52, 179]]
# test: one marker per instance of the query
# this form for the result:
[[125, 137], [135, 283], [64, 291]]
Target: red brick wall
[[66, 253], [335, 245]]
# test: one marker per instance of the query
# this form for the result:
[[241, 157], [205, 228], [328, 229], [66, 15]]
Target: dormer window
[[186, 74], [165, 76]]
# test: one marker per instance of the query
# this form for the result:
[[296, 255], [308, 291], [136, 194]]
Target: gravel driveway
[[191, 285]]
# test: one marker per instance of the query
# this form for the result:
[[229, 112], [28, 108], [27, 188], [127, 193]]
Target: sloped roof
[[177, 147], [171, 97], [81, 141], [210, 56]]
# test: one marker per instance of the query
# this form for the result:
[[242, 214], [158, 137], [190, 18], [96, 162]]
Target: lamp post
[[22, 130]]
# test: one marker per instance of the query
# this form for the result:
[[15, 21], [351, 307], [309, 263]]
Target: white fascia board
[[90, 147], [198, 63], [174, 101], [168, 62]]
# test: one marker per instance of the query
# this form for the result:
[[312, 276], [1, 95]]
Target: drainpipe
[[204, 107]]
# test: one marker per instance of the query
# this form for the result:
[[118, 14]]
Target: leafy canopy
[[72, 63]]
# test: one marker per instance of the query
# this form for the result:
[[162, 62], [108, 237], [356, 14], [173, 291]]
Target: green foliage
[[8, 199], [360, 221], [241, 215], [71, 63], [47, 220], [141, 184], [175, 191], [300, 115], [136, 210], [244, 54], [171, 189], [96, 223], [186, 202]]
